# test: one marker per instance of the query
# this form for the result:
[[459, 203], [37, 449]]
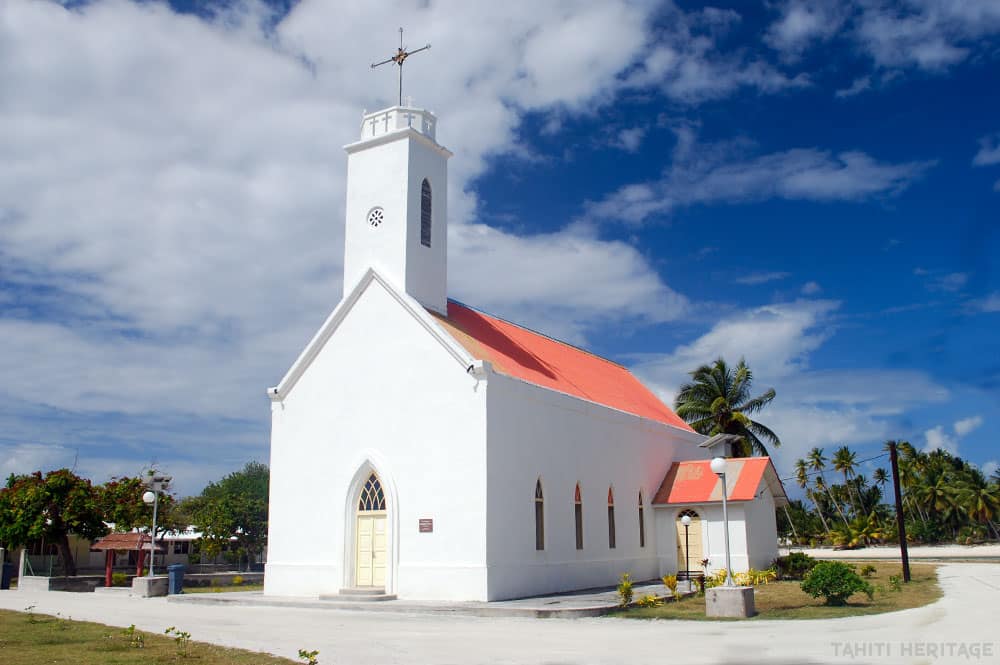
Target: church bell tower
[[397, 205]]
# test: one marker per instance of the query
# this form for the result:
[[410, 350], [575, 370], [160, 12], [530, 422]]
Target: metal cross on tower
[[401, 55]]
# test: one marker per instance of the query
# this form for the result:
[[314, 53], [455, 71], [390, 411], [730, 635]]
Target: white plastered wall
[[535, 433], [383, 392], [762, 529]]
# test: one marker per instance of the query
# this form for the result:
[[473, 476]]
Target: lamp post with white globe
[[152, 496], [719, 468]]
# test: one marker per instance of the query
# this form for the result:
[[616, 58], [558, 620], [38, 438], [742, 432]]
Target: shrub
[[238, 580], [836, 581], [625, 591], [868, 570], [670, 581], [649, 600], [896, 582], [793, 566], [309, 656], [119, 579]]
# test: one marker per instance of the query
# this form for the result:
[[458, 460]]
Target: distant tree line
[[230, 513], [944, 497]]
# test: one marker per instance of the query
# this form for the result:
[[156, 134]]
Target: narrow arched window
[[642, 523], [425, 213], [372, 497], [578, 514], [539, 516], [611, 518]]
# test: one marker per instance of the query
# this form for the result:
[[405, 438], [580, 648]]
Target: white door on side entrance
[[370, 534]]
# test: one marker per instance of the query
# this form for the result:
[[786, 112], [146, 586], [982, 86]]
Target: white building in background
[[427, 449]]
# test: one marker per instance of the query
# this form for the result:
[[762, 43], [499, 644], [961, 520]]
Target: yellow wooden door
[[694, 556], [371, 551], [378, 551], [366, 529]]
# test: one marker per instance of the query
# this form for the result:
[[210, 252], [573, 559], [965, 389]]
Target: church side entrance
[[693, 555], [370, 535]]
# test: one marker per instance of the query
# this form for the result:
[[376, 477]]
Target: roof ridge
[[540, 334]]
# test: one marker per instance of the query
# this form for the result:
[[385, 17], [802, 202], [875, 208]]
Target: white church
[[423, 449]]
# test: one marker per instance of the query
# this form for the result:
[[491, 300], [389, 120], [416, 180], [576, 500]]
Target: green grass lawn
[[786, 600], [30, 639], [227, 588]]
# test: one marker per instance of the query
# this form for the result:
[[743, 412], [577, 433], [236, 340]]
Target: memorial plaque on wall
[[426, 525]]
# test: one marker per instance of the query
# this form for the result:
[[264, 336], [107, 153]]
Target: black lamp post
[[686, 521]]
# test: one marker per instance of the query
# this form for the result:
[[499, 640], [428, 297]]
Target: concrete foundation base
[[149, 587], [729, 601]]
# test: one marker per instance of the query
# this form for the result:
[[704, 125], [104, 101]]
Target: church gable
[[406, 304]]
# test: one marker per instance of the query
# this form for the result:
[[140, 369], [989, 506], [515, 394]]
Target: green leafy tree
[[234, 508], [718, 401], [50, 507], [121, 504]]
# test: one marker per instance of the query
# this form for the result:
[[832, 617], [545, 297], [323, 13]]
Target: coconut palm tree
[[718, 401], [880, 476], [802, 478], [817, 462], [845, 461]]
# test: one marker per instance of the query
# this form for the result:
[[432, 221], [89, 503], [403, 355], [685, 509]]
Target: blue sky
[[813, 186]]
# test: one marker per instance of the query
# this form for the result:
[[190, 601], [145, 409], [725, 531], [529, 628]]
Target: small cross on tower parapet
[[401, 55]]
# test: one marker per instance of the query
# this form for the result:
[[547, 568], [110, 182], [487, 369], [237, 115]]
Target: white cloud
[[629, 139], [989, 468], [712, 174], [803, 24], [939, 438], [811, 288], [989, 151], [966, 425], [755, 278], [927, 34], [621, 283], [858, 85], [990, 303], [688, 63]]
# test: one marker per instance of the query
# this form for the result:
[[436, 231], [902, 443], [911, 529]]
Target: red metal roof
[[692, 481], [125, 542], [546, 362]]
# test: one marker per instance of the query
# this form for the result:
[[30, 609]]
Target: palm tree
[[979, 499], [802, 478], [817, 462], [718, 401], [880, 476], [845, 461]]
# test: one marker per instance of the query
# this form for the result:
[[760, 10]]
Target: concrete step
[[362, 594]]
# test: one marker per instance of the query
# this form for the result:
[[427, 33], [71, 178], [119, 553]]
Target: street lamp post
[[686, 521], [152, 496], [719, 468]]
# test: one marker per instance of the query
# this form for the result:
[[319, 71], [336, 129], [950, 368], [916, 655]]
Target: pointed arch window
[[611, 518], [578, 515], [372, 497], [539, 516], [642, 523], [425, 213]]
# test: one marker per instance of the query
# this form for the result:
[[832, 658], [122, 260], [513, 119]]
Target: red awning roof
[[549, 363], [693, 481], [125, 542]]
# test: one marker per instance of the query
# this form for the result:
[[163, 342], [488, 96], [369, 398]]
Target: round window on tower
[[375, 217]]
